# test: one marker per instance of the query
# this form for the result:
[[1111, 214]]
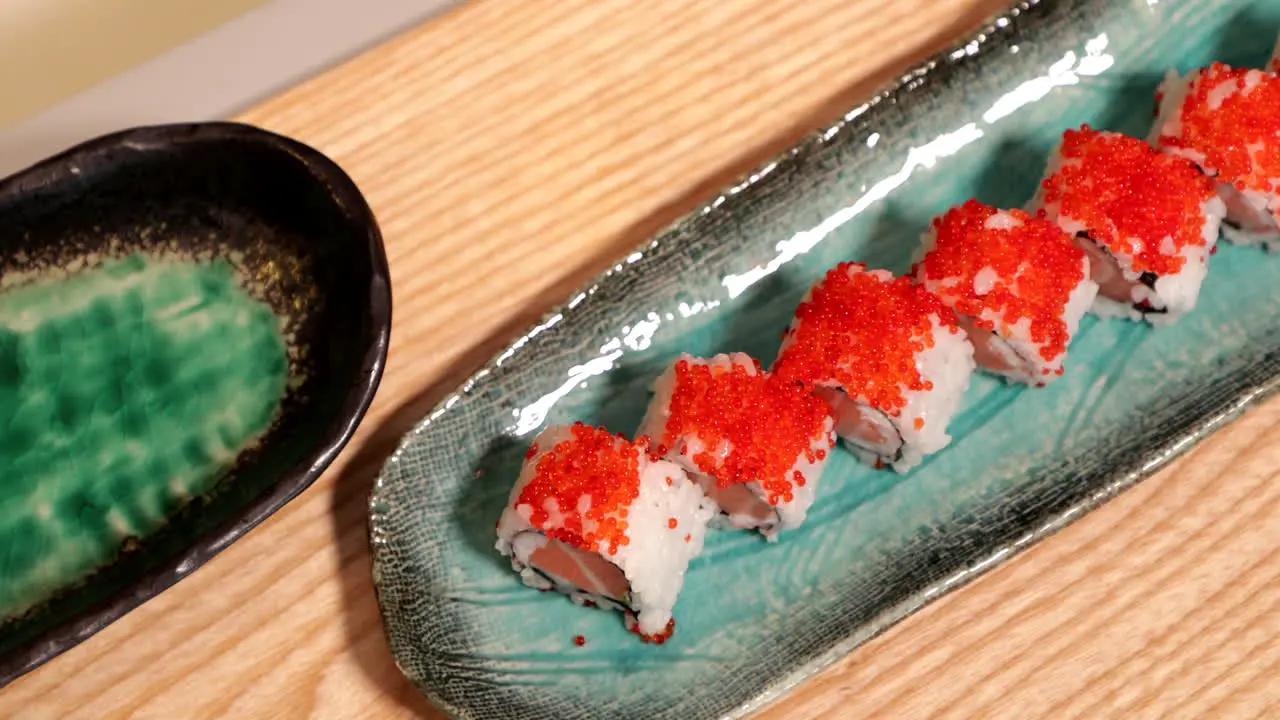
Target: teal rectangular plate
[[755, 618]]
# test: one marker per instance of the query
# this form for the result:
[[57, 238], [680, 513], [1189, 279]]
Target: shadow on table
[[351, 492]]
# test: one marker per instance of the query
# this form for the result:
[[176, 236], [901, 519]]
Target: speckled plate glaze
[[301, 235], [755, 619]]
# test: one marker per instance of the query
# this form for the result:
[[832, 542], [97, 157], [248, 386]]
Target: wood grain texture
[[513, 148]]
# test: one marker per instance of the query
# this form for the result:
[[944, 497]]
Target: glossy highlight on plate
[[978, 121]]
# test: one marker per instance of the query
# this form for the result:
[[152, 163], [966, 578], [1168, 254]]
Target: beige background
[[51, 50], [71, 70]]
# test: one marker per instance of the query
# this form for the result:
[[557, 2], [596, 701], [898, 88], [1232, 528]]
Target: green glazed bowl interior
[[295, 225]]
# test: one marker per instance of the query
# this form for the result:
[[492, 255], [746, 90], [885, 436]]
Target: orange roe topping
[[1131, 197], [593, 463], [1023, 272], [687, 538], [658, 637], [766, 425], [672, 522], [862, 332], [1238, 132]]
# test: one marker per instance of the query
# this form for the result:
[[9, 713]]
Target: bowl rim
[[73, 630]]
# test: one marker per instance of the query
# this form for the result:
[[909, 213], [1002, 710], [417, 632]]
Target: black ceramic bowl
[[300, 227]]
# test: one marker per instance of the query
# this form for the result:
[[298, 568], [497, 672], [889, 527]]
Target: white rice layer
[[657, 556], [1172, 92], [949, 366], [1177, 292]]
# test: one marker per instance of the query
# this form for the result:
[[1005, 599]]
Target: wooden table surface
[[513, 148]]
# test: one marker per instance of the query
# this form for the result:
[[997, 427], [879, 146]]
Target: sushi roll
[[1017, 282], [1227, 121], [593, 516], [756, 446], [1148, 221], [888, 357]]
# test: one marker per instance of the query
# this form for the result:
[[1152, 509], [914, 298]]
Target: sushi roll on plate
[[1226, 120], [756, 446], [593, 516], [887, 355], [1148, 220], [1017, 282]]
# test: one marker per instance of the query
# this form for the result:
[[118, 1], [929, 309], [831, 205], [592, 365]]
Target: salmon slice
[[568, 565], [862, 425], [1106, 271], [744, 508], [1244, 223], [1242, 215], [1112, 284], [992, 352]]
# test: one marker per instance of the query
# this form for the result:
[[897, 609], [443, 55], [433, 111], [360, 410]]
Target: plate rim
[[354, 405]]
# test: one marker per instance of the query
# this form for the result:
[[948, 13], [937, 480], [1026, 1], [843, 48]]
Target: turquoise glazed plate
[[756, 618]]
